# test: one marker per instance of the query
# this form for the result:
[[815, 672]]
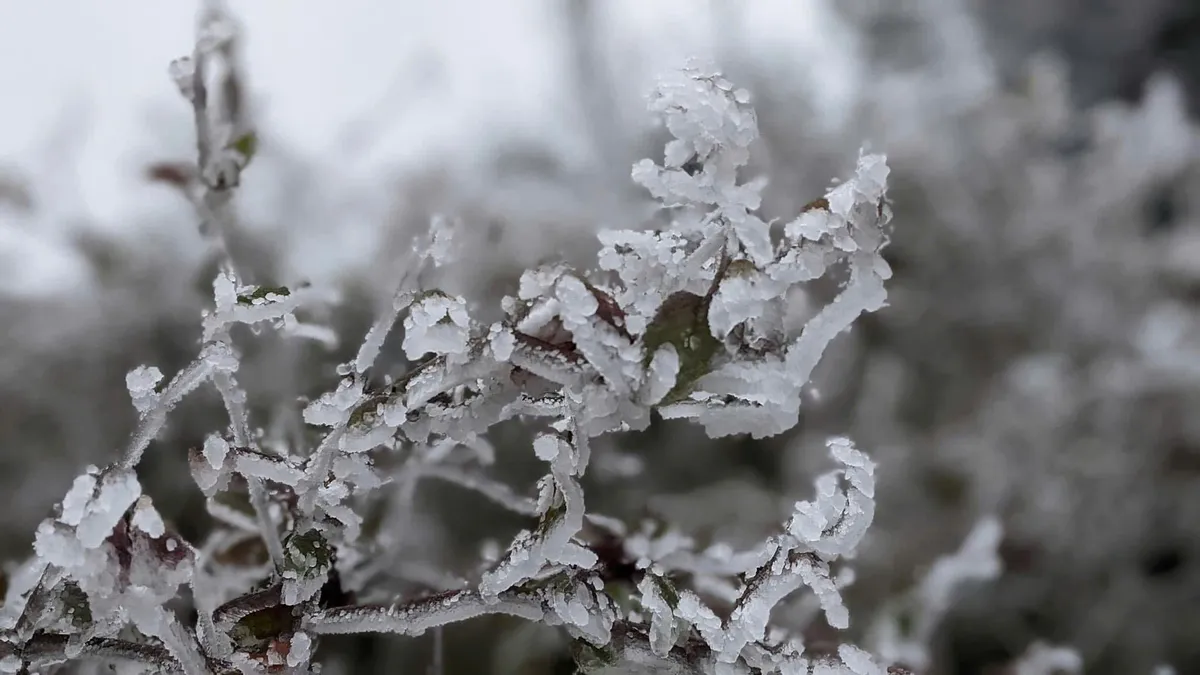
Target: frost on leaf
[[574, 601], [126, 576], [560, 511], [688, 320], [660, 600], [369, 424], [662, 374], [436, 323], [299, 650], [97, 501], [713, 128], [682, 323], [333, 407], [834, 523], [245, 145], [251, 305], [308, 558], [740, 371], [209, 465], [651, 266], [749, 298], [255, 632], [501, 341], [147, 519]]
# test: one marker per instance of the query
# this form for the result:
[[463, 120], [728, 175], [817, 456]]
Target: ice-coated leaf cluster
[[682, 322]]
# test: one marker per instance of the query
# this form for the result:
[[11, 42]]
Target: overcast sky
[[98, 70]]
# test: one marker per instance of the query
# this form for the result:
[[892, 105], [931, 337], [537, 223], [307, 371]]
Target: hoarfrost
[[333, 407], [692, 323], [114, 492], [216, 449], [147, 519], [502, 342], [660, 600], [142, 383], [437, 324], [300, 650]]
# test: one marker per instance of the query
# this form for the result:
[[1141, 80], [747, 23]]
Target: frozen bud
[[143, 385]]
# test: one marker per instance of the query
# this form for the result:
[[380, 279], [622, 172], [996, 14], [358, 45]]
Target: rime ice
[[690, 321]]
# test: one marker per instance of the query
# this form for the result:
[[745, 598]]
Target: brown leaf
[[177, 174]]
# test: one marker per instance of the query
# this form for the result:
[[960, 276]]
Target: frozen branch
[[685, 321], [416, 617], [46, 649]]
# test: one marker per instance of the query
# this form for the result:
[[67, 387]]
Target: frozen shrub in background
[[687, 321]]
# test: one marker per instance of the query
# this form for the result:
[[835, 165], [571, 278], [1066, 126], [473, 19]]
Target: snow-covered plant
[[686, 321]]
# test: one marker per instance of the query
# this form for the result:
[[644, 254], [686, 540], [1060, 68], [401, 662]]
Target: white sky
[[316, 66]]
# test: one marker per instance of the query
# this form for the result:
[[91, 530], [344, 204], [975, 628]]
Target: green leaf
[[553, 516], [246, 145], [75, 604], [263, 293], [254, 632], [307, 553], [366, 413], [667, 590], [682, 321], [590, 658]]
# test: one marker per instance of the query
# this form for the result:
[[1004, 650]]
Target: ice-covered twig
[[432, 249], [497, 492], [687, 321], [46, 649], [213, 82], [235, 406], [418, 616], [153, 412]]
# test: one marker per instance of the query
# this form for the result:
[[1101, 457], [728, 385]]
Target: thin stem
[[496, 491], [418, 616], [219, 120], [318, 468], [372, 343], [151, 423], [235, 406]]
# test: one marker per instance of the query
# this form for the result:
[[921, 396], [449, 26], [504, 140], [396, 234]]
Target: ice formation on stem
[[686, 321]]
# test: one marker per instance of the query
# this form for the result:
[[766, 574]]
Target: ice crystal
[[437, 323], [142, 383], [689, 321]]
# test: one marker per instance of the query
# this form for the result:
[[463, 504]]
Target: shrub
[[686, 321]]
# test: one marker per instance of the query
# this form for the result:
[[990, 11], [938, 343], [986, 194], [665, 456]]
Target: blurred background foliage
[[1040, 358]]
